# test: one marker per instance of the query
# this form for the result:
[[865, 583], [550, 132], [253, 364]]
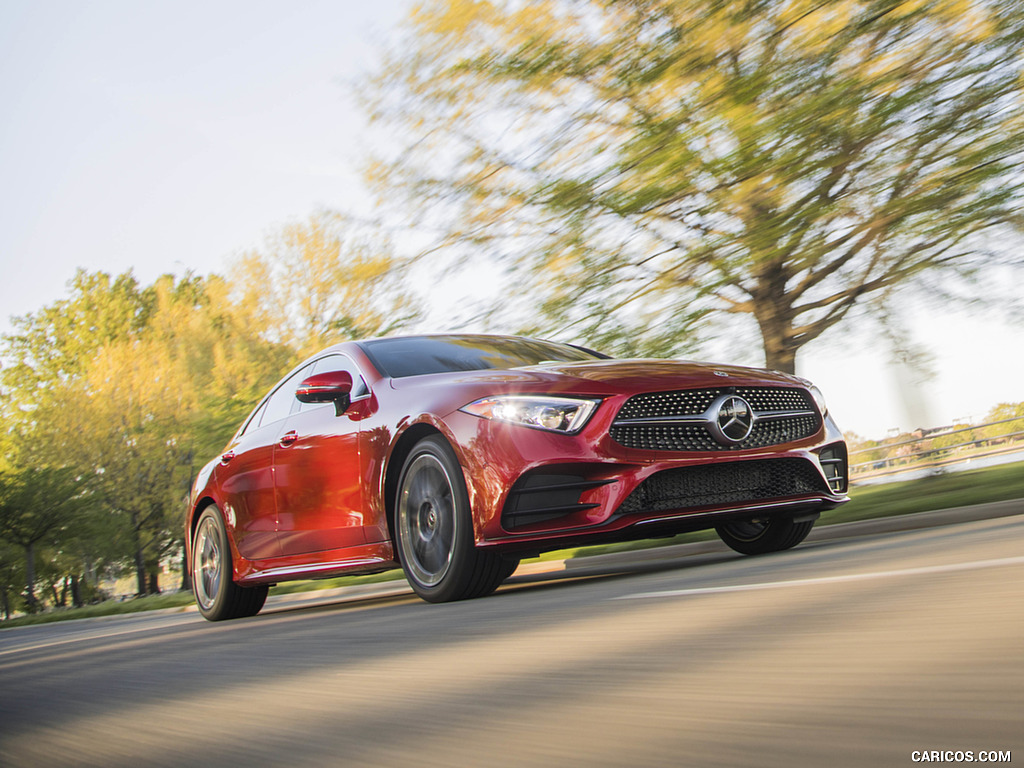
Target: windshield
[[417, 355]]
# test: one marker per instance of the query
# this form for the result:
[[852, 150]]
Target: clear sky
[[168, 136]]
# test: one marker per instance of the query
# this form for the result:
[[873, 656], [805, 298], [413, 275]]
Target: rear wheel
[[758, 535], [434, 529], [217, 596]]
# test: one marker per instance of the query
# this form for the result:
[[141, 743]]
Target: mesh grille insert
[[723, 484]]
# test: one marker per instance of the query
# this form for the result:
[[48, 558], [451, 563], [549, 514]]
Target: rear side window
[[282, 403]]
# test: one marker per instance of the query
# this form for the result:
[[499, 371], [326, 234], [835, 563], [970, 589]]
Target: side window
[[283, 402], [337, 363], [254, 422]]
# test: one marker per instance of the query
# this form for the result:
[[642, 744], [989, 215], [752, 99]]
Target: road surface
[[852, 652]]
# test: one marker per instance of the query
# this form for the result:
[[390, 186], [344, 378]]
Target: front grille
[[678, 421], [724, 484]]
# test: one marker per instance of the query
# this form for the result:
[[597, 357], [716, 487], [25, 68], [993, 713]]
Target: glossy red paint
[[309, 489]]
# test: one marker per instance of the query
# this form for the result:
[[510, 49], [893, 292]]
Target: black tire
[[217, 596], [508, 566], [434, 529], [758, 536]]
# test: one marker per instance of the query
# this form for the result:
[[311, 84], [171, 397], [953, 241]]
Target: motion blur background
[[171, 137]]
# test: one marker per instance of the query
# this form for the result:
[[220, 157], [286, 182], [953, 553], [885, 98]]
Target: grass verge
[[106, 608]]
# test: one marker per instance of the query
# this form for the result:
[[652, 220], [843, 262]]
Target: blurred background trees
[[115, 396], [321, 280], [648, 165], [39, 506]]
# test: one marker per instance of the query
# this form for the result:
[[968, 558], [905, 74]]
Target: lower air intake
[[724, 484]]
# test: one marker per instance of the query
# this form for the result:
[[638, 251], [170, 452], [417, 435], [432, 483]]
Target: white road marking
[[924, 571]]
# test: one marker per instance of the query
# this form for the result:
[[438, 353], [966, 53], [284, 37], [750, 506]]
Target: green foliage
[[651, 164], [1002, 412], [170, 601], [12, 579], [40, 506], [132, 388], [943, 491], [37, 503], [55, 343]]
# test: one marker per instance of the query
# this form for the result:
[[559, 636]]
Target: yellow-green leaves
[[782, 158], [321, 281]]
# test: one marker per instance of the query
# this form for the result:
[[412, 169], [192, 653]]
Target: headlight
[[819, 399], [558, 414]]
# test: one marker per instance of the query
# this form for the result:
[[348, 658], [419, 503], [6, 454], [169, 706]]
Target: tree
[[36, 506], [57, 342], [1008, 430], [650, 163], [137, 409], [11, 577], [322, 281]]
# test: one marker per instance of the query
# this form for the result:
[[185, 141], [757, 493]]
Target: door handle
[[226, 457], [288, 438]]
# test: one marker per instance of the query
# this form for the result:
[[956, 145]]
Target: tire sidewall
[[218, 608], [451, 584]]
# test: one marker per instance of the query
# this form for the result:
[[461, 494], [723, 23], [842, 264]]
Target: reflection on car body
[[455, 456]]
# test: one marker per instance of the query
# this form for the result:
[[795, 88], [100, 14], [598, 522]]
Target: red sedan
[[455, 456]]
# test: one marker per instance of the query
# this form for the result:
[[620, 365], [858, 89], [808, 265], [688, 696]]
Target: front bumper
[[533, 490]]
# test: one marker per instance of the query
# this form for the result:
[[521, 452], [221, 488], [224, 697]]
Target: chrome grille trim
[[684, 421], [704, 418]]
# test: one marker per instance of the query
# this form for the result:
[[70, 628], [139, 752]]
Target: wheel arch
[[396, 461], [197, 511]]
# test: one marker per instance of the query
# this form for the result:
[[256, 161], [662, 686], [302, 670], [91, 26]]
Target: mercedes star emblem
[[732, 418]]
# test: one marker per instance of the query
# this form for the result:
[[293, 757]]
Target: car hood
[[610, 377]]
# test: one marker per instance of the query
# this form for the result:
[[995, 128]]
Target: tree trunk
[[775, 317], [31, 603], [777, 337], [76, 592], [783, 360], [140, 560]]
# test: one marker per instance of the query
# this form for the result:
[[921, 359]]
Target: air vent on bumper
[[542, 496]]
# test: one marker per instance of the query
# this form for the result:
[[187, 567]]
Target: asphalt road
[[842, 652]]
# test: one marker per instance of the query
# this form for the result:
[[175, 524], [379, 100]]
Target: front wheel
[[758, 536], [217, 596], [434, 528]]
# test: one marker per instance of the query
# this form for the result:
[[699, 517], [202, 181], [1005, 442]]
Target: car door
[[316, 472], [246, 474]]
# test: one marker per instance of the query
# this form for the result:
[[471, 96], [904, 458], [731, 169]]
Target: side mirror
[[330, 387]]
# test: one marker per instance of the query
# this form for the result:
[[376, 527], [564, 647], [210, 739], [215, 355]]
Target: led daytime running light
[[555, 414]]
